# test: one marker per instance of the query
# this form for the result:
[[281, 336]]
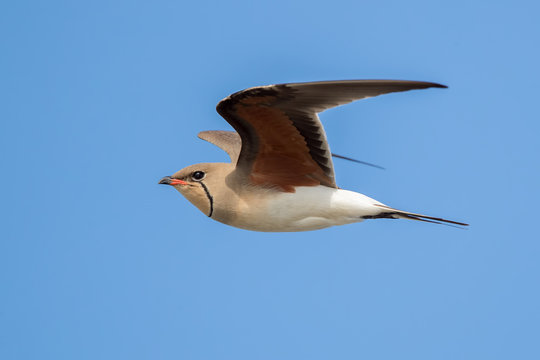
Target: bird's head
[[199, 183]]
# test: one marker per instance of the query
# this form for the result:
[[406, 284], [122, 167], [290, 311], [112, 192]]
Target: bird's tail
[[392, 213]]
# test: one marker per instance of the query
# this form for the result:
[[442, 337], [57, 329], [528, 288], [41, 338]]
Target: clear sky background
[[100, 99]]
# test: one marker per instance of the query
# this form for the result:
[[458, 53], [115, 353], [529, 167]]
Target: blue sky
[[101, 99]]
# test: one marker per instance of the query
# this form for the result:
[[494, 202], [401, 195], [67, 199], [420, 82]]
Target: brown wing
[[283, 141]]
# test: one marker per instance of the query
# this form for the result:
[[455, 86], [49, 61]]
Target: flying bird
[[281, 176]]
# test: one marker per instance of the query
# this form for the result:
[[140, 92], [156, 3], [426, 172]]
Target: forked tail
[[391, 213]]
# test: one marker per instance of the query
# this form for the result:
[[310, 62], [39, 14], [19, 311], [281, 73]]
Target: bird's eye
[[198, 175]]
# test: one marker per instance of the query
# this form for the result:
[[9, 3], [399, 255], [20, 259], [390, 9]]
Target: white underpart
[[309, 208]]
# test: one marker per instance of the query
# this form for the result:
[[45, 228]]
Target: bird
[[281, 176]]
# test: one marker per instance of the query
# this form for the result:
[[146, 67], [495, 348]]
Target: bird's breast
[[308, 208]]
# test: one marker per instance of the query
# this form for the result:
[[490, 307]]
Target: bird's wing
[[283, 141], [229, 141]]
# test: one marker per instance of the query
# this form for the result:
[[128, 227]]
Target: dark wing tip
[[441, 86], [425, 84]]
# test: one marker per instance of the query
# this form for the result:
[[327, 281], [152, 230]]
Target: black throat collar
[[210, 198]]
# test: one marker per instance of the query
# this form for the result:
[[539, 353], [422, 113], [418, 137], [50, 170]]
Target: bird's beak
[[167, 180]]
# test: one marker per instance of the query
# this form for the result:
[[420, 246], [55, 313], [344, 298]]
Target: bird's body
[[308, 208], [281, 175]]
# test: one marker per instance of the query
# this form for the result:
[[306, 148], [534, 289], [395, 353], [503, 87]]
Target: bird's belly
[[309, 208]]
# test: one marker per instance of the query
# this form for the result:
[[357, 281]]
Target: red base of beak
[[177, 182], [167, 180]]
